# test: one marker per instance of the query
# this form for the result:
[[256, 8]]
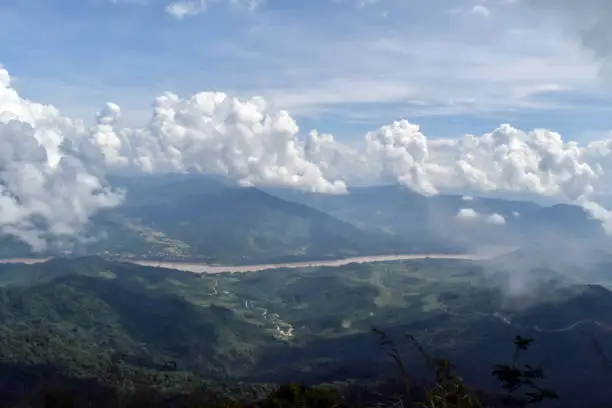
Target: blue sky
[[341, 66]]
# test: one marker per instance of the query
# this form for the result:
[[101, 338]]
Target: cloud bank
[[52, 168], [47, 186]]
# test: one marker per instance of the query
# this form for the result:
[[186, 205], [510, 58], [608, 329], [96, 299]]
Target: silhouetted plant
[[297, 395], [128, 387], [448, 389], [520, 382]]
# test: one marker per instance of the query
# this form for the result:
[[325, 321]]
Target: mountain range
[[211, 219], [412, 216], [77, 317]]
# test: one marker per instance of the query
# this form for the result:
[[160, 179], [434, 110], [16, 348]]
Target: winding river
[[486, 253], [205, 268]]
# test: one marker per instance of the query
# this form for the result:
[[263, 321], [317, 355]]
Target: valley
[[305, 204], [242, 285]]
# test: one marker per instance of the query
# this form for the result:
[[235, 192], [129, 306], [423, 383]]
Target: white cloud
[[187, 8], [467, 214], [506, 159], [52, 168], [212, 132], [191, 8], [481, 10], [495, 219], [471, 214], [48, 186]]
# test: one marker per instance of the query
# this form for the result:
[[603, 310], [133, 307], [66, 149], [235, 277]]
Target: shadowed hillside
[[209, 219]]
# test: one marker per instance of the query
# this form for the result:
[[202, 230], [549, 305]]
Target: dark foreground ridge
[[169, 388]]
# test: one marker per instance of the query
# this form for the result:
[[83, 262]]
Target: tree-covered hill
[[78, 317]]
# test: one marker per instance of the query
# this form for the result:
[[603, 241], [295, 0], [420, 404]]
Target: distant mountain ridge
[[211, 219], [403, 212]]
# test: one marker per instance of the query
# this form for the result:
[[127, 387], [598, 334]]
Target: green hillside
[[79, 317], [207, 219]]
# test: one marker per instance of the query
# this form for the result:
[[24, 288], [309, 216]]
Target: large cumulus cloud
[[214, 133], [47, 188], [506, 159], [52, 168]]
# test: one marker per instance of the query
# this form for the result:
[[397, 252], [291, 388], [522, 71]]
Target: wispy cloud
[[372, 64], [589, 22], [481, 10], [184, 9], [191, 8], [332, 58]]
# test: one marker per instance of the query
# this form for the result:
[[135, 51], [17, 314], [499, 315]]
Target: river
[[206, 268]]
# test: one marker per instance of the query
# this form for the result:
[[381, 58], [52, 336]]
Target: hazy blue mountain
[[166, 188], [249, 222], [205, 218], [209, 218], [401, 211]]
